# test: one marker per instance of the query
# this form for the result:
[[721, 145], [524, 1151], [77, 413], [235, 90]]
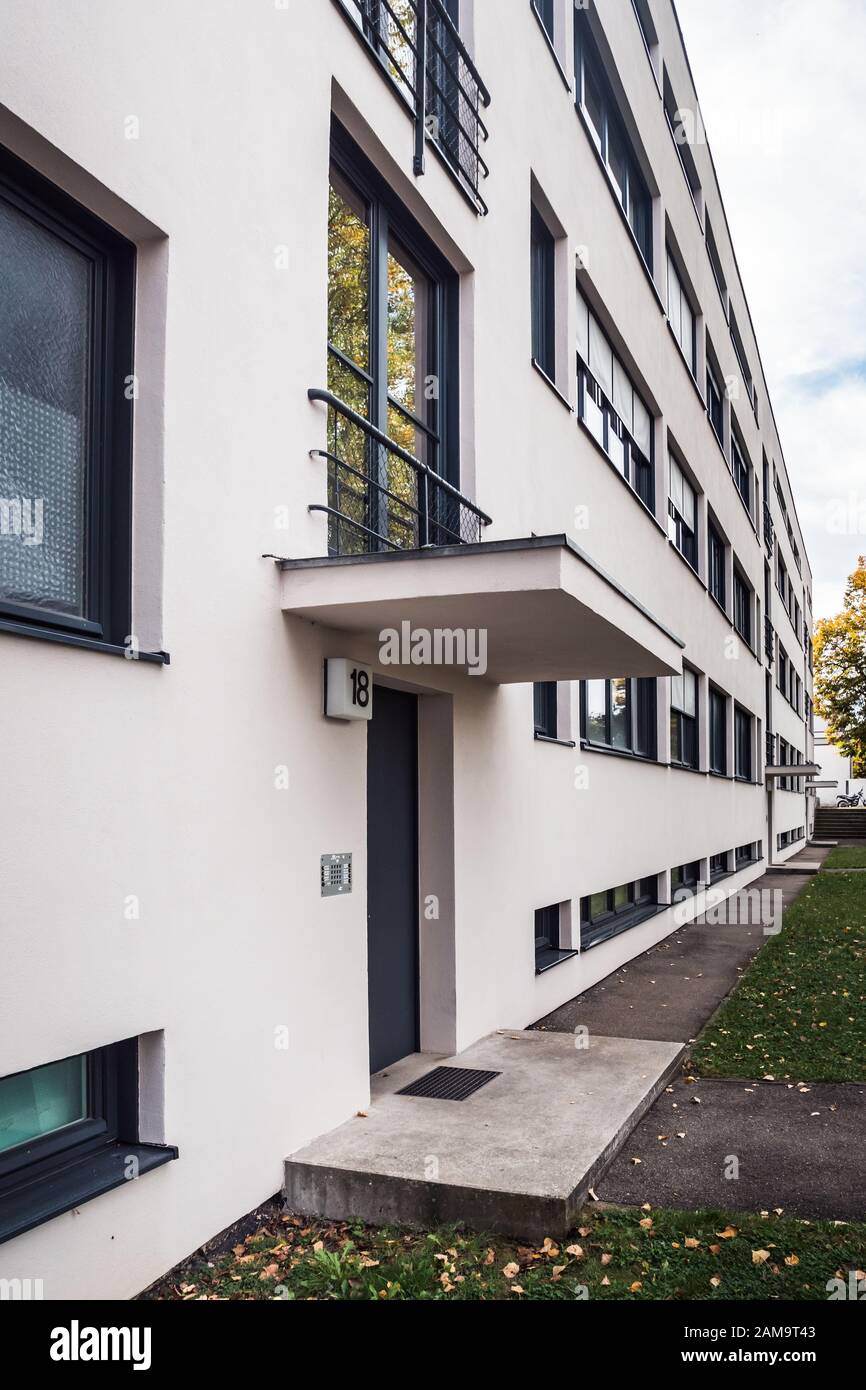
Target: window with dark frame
[[742, 744], [715, 405], [682, 513], [718, 732], [544, 10], [606, 914], [716, 566], [66, 365], [685, 879], [681, 317], [679, 121], [745, 854], [718, 866], [716, 262], [595, 101], [543, 258], [740, 469], [611, 408], [684, 719], [67, 1131], [620, 714], [742, 607], [548, 946], [392, 327], [545, 699]]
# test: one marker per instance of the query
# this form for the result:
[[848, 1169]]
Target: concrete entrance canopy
[[549, 612], [794, 770]]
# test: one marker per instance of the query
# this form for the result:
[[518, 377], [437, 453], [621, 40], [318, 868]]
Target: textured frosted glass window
[[600, 358], [37, 1102], [45, 314]]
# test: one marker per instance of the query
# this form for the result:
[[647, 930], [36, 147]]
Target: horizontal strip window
[[790, 837], [67, 1132], [596, 102], [682, 513], [685, 879], [746, 854], [610, 407], [620, 714], [718, 866], [603, 915]]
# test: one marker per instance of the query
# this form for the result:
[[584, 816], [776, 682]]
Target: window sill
[[721, 607], [72, 639], [40, 1200], [625, 482], [563, 400], [546, 960], [722, 776], [566, 80], [608, 752], [684, 767], [634, 241], [687, 562], [609, 930], [719, 878], [559, 742]]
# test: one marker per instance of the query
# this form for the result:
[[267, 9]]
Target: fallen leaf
[[635, 1287], [606, 1258], [511, 1270], [576, 1251], [715, 1281], [691, 1243], [728, 1233], [556, 1272], [760, 1257]]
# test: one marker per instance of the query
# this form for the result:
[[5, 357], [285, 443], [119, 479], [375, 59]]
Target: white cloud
[[781, 89]]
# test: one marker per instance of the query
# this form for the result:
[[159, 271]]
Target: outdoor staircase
[[832, 823]]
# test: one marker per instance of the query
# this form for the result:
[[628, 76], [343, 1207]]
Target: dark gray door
[[392, 876]]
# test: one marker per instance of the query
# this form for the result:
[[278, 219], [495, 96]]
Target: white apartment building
[[449, 382]]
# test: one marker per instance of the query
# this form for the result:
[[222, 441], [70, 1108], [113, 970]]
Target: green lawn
[[614, 1254], [846, 857], [798, 1013]]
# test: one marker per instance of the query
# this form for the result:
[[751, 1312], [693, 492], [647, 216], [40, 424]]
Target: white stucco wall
[[130, 779]]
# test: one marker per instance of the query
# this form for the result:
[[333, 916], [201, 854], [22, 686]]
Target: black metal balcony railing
[[411, 38], [769, 530], [380, 497], [769, 641]]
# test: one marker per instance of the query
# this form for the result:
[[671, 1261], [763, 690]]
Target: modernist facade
[[408, 338]]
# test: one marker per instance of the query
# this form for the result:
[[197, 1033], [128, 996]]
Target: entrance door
[[392, 876]]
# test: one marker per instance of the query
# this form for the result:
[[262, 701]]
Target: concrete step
[[517, 1157]]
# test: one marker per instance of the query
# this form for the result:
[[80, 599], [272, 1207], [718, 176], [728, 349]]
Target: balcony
[[420, 51], [769, 530], [382, 498]]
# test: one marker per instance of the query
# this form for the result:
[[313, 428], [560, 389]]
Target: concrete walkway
[[671, 990], [796, 1147]]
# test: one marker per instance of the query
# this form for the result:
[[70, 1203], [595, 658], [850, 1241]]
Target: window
[[739, 349], [716, 558], [545, 701], [718, 732], [611, 408], [67, 1130], [718, 866], [683, 514], [683, 125], [742, 744], [620, 714], [392, 311], [548, 948], [647, 28], [66, 359], [742, 608], [745, 854], [543, 249], [681, 317], [596, 104], [606, 914], [740, 468], [685, 879], [684, 719], [716, 263], [544, 10], [715, 405]]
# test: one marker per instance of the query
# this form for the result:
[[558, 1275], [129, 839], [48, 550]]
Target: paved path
[[797, 1148], [669, 992]]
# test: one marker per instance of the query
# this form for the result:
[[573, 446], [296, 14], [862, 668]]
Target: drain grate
[[449, 1083]]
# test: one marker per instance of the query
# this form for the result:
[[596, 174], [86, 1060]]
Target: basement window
[[549, 943], [69, 1132]]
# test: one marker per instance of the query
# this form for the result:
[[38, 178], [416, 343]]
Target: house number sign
[[348, 689]]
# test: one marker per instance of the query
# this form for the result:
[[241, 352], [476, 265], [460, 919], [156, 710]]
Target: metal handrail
[[405, 522]]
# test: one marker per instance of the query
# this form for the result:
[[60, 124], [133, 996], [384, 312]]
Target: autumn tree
[[840, 672]]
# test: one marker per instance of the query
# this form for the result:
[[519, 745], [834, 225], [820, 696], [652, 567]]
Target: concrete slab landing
[[518, 1156]]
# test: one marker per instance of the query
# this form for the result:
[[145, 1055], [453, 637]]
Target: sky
[[783, 95]]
